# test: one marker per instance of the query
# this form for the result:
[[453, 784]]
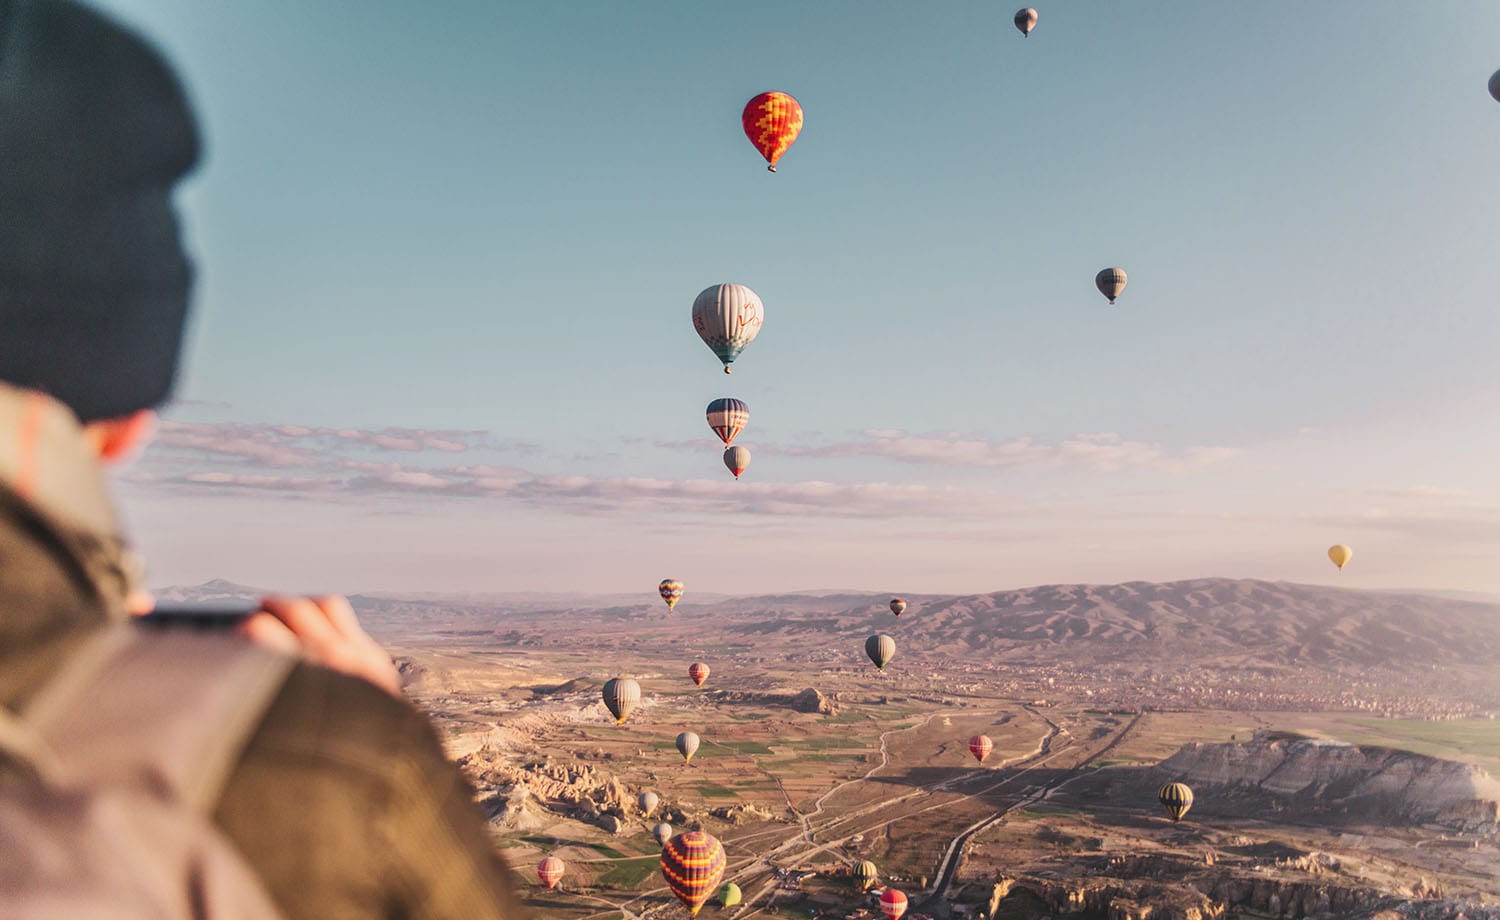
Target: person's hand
[[324, 631]]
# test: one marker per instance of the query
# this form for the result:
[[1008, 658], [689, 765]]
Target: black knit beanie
[[94, 131]]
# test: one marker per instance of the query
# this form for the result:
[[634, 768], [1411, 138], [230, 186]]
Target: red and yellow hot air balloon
[[980, 746], [893, 903], [671, 591], [693, 865], [550, 871], [698, 671], [772, 122]]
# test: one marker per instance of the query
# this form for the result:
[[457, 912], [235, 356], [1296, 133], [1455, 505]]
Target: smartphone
[[203, 618]]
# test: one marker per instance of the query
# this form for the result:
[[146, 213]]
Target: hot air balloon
[[865, 875], [662, 832], [772, 121], [1176, 798], [693, 865], [727, 417], [687, 746], [980, 746], [648, 802], [620, 696], [1026, 20], [729, 895], [898, 606], [881, 649], [1340, 555], [1495, 86], [893, 904], [698, 671], [671, 591], [728, 317], [550, 871], [1110, 282], [737, 459]]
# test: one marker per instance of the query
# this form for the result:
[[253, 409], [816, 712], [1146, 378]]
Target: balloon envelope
[[980, 746], [1176, 798], [671, 591], [693, 865], [1026, 20], [728, 317], [662, 832], [881, 649], [550, 871], [687, 746], [620, 696], [866, 875], [1340, 555], [898, 606], [772, 121], [1111, 282], [648, 802], [729, 895], [1495, 86], [737, 460], [728, 417], [893, 903], [698, 671]]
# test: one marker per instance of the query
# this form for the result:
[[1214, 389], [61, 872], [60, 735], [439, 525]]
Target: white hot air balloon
[[728, 317]]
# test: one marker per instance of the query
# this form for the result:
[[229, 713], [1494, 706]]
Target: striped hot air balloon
[[550, 871], [1026, 21], [772, 121], [1176, 798], [662, 832], [893, 903], [727, 417], [728, 317], [648, 802], [687, 746], [698, 671], [881, 649], [693, 865], [1111, 282], [737, 460], [620, 696], [898, 606], [865, 875], [980, 746], [671, 591]]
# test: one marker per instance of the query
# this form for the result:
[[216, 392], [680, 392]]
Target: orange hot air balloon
[[698, 671], [772, 122], [980, 746], [550, 871], [893, 904]]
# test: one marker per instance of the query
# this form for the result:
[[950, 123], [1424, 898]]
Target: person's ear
[[117, 439]]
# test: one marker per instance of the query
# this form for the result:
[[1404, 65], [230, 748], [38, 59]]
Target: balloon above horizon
[[671, 591], [728, 417], [1339, 555], [772, 121], [737, 460], [1026, 21], [728, 317], [1495, 86], [1111, 282]]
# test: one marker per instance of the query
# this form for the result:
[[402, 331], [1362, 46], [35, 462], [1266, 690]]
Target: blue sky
[[483, 230]]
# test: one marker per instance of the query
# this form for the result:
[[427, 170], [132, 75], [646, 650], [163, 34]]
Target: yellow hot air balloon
[[1340, 555]]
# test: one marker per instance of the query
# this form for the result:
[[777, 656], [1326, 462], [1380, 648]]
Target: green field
[[629, 873], [1471, 740]]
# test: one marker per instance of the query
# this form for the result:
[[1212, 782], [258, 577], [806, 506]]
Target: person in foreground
[[339, 799]]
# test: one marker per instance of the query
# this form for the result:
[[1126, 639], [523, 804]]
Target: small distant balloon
[[1176, 798], [1026, 21], [620, 696], [698, 671], [728, 417], [893, 904], [728, 317], [1111, 282], [1495, 86], [866, 875], [898, 606], [737, 460], [662, 832], [1340, 555], [687, 746], [980, 746], [550, 871], [730, 895], [671, 591], [881, 649], [648, 802], [772, 121]]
